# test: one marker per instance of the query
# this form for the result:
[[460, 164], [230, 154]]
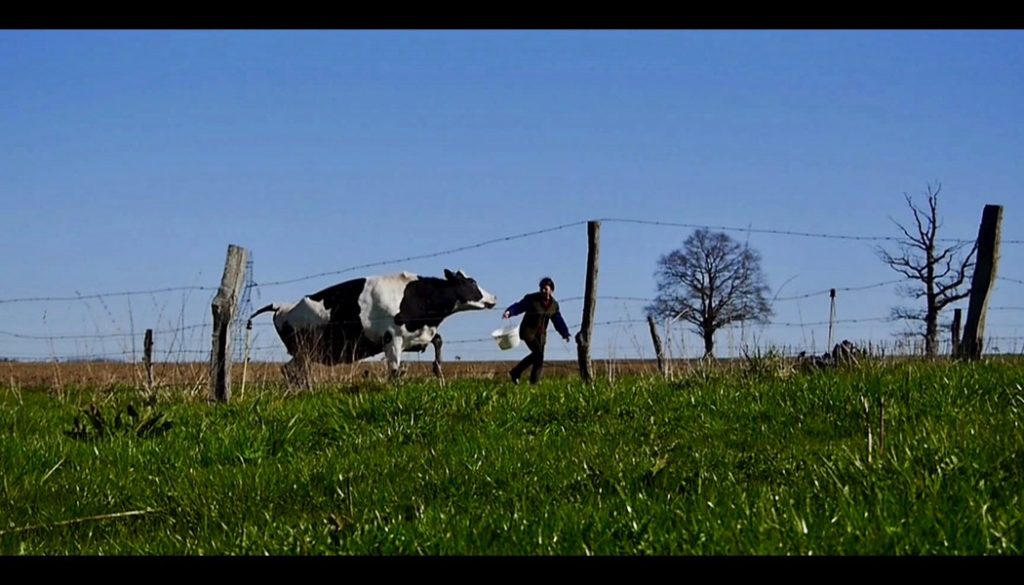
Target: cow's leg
[[436, 342], [296, 373], [305, 376], [289, 370], [392, 354]]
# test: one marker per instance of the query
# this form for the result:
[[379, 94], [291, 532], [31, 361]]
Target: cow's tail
[[270, 307]]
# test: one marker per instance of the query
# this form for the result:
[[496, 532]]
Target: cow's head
[[468, 295]]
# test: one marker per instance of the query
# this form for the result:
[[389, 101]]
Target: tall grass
[[754, 459]]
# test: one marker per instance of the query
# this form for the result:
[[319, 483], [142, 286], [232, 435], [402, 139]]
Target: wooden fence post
[[584, 335], [831, 317], [223, 306], [147, 358], [657, 345], [986, 265], [245, 358], [957, 315]]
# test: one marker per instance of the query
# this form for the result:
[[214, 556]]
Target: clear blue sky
[[129, 160]]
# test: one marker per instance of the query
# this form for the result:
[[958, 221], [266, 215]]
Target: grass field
[[754, 458]]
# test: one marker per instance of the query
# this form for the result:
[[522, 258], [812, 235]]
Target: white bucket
[[507, 337]]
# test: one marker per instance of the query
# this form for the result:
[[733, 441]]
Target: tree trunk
[[957, 318], [931, 333], [709, 343]]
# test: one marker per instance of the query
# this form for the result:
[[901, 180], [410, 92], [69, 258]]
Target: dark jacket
[[537, 316]]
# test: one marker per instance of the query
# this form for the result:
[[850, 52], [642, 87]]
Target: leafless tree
[[934, 274], [710, 282]]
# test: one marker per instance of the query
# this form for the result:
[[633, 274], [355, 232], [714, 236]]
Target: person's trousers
[[535, 359]]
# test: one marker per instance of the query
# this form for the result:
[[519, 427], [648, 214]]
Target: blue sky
[[131, 159]]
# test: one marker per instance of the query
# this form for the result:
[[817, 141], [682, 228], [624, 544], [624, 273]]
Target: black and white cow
[[363, 317]]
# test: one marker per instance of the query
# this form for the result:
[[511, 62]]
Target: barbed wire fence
[[184, 341]]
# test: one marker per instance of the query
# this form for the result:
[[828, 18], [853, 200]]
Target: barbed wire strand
[[268, 324], [425, 256], [129, 359], [786, 232], [106, 295], [250, 285], [839, 289], [101, 335], [483, 244]]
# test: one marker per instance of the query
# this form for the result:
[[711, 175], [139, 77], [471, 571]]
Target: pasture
[[750, 457]]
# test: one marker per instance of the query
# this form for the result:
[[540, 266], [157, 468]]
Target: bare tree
[[710, 282], [934, 274]]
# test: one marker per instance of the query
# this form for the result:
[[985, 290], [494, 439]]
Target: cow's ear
[[448, 274]]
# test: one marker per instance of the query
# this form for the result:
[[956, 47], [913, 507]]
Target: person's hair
[[547, 281]]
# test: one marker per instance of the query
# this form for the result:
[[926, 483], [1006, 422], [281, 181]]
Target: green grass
[[753, 460]]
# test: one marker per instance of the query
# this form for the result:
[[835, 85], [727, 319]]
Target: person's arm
[[515, 309], [560, 326]]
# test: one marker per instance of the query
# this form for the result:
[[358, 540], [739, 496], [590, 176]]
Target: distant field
[[755, 458], [188, 374]]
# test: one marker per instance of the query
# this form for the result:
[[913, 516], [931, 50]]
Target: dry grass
[[195, 374]]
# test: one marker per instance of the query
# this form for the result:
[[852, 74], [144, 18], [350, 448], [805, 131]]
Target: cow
[[363, 317]]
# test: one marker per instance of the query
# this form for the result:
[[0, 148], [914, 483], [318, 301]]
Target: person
[[540, 308]]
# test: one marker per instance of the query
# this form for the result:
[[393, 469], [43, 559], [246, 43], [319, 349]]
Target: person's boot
[[535, 374]]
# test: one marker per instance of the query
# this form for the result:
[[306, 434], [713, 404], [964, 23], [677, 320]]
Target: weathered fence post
[[957, 314], [584, 335], [223, 312], [986, 264], [657, 345], [147, 358], [245, 358], [831, 316], [867, 419]]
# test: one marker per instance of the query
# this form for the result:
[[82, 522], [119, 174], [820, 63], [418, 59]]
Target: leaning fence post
[[223, 306], [147, 358], [831, 316], [584, 336], [657, 344], [986, 264]]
